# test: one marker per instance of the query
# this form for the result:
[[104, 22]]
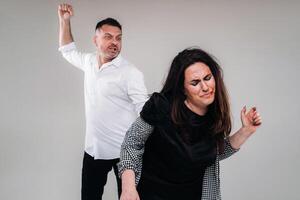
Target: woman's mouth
[[207, 95]]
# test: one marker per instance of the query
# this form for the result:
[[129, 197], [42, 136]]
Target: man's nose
[[115, 41]]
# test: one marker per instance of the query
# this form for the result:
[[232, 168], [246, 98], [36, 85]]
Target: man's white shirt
[[114, 95]]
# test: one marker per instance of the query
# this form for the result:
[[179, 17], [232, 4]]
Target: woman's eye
[[207, 78], [194, 83]]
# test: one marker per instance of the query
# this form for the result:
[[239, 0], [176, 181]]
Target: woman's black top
[[175, 158]]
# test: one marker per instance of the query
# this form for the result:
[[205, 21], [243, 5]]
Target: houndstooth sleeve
[[132, 148], [211, 188], [228, 150]]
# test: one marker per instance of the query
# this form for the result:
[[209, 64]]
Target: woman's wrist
[[237, 139], [128, 180], [246, 132]]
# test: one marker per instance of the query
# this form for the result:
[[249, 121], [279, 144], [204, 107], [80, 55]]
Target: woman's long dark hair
[[219, 110]]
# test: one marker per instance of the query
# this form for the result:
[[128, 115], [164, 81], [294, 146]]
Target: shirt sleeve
[[136, 89], [73, 56], [132, 149], [228, 150]]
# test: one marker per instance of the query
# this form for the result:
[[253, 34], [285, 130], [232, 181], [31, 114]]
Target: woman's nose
[[204, 87]]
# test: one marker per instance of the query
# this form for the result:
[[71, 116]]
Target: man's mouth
[[113, 48]]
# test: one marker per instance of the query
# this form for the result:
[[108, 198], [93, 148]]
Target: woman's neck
[[195, 109]]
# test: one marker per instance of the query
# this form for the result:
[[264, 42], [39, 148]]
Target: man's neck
[[101, 60]]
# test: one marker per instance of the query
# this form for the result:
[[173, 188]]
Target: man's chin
[[109, 58], [112, 56]]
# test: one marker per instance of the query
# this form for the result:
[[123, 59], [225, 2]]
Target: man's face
[[108, 42]]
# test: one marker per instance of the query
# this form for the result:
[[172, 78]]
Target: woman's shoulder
[[157, 109]]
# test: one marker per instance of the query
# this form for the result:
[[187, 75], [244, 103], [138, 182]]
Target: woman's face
[[199, 86]]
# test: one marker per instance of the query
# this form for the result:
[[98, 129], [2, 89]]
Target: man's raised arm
[[65, 12]]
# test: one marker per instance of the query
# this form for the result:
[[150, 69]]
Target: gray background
[[42, 109]]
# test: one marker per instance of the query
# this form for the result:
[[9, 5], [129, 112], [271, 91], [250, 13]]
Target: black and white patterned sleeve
[[228, 150], [132, 148]]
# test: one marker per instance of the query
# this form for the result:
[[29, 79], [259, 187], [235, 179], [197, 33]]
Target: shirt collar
[[115, 62]]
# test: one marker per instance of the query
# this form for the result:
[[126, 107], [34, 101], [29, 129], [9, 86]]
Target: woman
[[173, 149]]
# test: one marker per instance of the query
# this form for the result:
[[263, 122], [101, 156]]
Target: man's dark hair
[[108, 21]]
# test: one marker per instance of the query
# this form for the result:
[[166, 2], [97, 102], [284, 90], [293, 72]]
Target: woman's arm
[[131, 157], [250, 122], [129, 191]]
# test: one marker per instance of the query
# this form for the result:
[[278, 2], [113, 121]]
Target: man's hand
[[65, 12]]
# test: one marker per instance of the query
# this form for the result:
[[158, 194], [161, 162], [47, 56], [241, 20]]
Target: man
[[114, 95]]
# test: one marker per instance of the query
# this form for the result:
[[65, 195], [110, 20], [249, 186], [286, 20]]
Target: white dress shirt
[[114, 95]]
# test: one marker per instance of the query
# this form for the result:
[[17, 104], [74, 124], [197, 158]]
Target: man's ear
[[94, 40]]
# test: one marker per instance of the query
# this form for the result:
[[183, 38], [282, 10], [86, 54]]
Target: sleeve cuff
[[124, 165], [68, 47], [228, 145]]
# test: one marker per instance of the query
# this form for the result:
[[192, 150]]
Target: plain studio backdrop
[[42, 121]]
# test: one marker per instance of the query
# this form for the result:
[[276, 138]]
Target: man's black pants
[[94, 177]]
